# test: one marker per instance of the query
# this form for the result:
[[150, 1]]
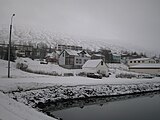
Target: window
[[80, 61], [63, 54], [77, 61], [101, 62], [138, 61], [134, 61], [142, 61], [130, 61]]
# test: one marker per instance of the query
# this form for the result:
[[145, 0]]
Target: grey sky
[[129, 22]]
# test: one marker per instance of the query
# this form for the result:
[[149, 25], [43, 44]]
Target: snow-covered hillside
[[28, 35]]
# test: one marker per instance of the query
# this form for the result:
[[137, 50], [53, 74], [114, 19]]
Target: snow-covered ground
[[22, 81], [12, 110]]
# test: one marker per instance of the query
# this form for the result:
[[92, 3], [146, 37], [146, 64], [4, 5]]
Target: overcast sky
[[131, 22]]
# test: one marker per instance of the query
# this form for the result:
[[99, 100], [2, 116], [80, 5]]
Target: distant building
[[23, 50], [146, 68], [52, 57], [16, 50], [133, 62], [70, 47], [73, 59], [116, 58], [95, 66]]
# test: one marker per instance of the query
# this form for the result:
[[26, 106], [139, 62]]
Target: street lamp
[[9, 46]]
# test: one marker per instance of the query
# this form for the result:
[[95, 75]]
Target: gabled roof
[[72, 52], [92, 63], [75, 53]]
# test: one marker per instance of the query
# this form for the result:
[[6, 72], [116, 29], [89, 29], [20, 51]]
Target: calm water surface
[[137, 108]]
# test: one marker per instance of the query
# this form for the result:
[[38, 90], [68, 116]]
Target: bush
[[68, 74], [22, 66], [125, 75], [82, 74]]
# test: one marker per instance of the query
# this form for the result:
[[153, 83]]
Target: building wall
[[102, 68], [79, 60], [142, 70], [116, 59], [135, 62], [62, 59]]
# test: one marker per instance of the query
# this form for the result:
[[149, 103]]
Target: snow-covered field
[[22, 81]]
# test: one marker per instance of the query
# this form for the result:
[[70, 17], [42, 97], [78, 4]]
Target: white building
[[146, 68], [133, 62], [73, 59], [71, 47], [95, 66]]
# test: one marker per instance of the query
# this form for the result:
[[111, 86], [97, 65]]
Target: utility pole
[[9, 46]]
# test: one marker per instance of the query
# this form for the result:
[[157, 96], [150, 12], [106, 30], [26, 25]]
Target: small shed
[[96, 66]]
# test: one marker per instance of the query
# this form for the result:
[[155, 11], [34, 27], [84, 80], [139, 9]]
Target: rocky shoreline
[[43, 97]]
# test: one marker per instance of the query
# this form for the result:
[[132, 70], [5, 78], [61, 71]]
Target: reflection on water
[[139, 107]]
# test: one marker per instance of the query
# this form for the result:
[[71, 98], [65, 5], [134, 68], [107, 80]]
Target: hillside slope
[[28, 35]]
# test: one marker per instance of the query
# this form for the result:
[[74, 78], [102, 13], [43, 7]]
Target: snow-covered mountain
[[29, 35]]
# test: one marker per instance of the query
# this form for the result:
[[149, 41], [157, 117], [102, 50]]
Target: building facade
[[133, 62], [73, 59], [70, 47]]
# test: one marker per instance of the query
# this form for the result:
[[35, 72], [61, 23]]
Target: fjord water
[[134, 108]]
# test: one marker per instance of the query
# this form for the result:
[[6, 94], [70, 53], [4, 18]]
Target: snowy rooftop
[[146, 66], [115, 54], [99, 55], [140, 59], [75, 53], [92, 63], [72, 52]]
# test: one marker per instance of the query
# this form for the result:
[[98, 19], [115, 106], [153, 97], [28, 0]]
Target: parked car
[[94, 75]]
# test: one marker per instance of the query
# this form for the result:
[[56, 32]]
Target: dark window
[[80, 61], [101, 62], [142, 61], [76, 60], [134, 61], [130, 61], [138, 61]]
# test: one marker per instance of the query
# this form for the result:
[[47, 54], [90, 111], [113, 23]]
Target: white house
[[95, 66], [73, 59], [133, 62], [146, 68]]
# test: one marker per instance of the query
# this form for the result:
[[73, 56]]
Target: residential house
[[73, 59], [133, 62], [96, 66]]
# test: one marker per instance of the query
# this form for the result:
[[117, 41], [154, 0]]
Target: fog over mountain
[[33, 35]]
